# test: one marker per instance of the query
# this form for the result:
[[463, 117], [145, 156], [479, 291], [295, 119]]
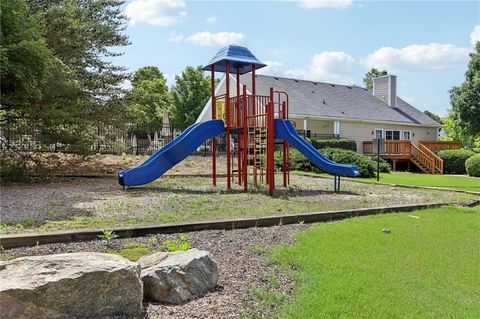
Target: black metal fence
[[309, 134], [129, 138]]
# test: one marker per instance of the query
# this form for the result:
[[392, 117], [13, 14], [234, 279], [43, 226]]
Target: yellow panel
[[220, 108]]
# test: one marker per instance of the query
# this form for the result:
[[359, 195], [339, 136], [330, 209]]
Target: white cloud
[[211, 19], [272, 68], [417, 58], [215, 39], [475, 35], [328, 66], [155, 12], [175, 37], [313, 4]]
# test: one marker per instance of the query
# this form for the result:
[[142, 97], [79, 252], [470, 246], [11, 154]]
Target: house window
[[407, 135], [378, 133], [392, 135]]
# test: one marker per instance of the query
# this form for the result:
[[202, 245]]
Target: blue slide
[[171, 154], [285, 131]]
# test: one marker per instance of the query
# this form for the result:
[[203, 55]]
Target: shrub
[[367, 166], [343, 143], [472, 165], [454, 160], [23, 166]]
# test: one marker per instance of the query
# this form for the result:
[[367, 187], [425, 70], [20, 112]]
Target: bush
[[343, 143], [298, 162], [472, 165], [454, 160], [367, 166], [24, 166]]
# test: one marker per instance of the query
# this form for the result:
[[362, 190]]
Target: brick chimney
[[385, 88]]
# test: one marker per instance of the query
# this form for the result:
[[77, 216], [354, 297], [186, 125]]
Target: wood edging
[[23, 240]]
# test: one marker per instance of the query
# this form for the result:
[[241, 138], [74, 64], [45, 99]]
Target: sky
[[426, 44]]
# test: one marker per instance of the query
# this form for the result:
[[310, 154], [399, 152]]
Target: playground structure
[[249, 121], [256, 124]]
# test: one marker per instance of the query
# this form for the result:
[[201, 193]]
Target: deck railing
[[436, 146], [400, 147]]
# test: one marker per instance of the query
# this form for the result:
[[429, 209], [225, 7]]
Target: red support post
[[239, 156], [271, 144], [285, 148], [228, 119], [245, 140], [254, 91], [214, 116]]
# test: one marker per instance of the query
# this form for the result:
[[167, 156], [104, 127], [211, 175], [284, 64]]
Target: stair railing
[[423, 158], [437, 161]]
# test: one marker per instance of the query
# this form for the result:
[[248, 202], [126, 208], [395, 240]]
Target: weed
[[132, 251], [181, 243], [107, 236], [29, 222]]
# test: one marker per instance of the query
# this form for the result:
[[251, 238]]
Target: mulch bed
[[240, 255]]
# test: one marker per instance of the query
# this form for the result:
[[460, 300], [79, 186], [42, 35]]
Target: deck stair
[[421, 156]]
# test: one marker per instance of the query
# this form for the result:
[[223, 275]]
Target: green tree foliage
[[465, 99], [433, 116], [190, 93], [373, 73], [71, 84], [149, 96], [24, 56]]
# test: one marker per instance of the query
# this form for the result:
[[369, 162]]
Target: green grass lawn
[[426, 267], [404, 178]]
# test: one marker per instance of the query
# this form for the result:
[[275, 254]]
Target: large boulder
[[77, 285], [179, 276]]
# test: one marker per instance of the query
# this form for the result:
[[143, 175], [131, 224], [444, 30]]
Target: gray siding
[[393, 91], [381, 88]]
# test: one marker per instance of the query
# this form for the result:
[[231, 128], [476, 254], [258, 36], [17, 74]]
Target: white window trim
[[409, 134], [336, 128], [392, 130], [375, 132]]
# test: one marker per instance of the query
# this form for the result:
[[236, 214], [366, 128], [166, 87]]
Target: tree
[[465, 99], [368, 78], [149, 96], [433, 116], [24, 57], [190, 93], [60, 81]]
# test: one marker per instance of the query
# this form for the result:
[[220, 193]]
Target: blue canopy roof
[[239, 57]]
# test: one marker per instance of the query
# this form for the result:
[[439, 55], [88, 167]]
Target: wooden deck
[[423, 156]]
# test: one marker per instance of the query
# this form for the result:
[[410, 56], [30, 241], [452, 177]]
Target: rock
[[76, 285], [179, 276]]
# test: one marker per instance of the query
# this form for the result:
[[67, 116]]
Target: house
[[322, 110]]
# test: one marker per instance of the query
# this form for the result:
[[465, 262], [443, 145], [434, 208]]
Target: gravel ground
[[240, 257], [186, 195]]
